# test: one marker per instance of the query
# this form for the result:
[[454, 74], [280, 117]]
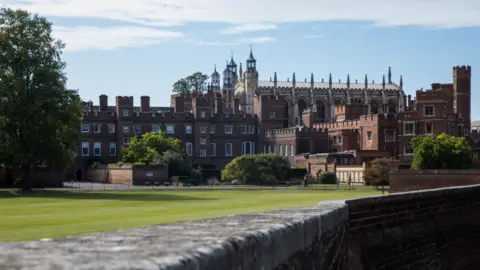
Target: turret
[[215, 80]]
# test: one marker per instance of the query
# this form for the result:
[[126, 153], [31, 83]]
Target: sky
[[141, 47]]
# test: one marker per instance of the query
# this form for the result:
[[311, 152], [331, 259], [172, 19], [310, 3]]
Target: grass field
[[52, 214]]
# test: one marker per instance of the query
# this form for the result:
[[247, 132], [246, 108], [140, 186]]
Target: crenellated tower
[[462, 94]]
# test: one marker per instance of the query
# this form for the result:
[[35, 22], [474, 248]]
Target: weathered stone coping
[[253, 241]]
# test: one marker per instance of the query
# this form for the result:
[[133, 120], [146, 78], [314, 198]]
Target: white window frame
[[227, 146], [125, 129], [292, 150], [248, 129], [425, 109], [188, 129], [404, 149], [203, 141], [228, 129], [97, 145], [85, 145], [125, 112], [203, 129], [250, 146], [430, 133], [213, 149], [111, 129], [85, 128], [172, 131], [112, 145], [405, 129], [97, 128], [156, 128], [189, 149], [393, 135], [203, 152], [212, 129]]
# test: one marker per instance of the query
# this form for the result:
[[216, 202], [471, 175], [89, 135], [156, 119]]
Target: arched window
[[391, 108], [320, 109], [373, 107]]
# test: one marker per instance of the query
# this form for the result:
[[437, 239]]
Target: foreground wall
[[408, 180], [435, 229]]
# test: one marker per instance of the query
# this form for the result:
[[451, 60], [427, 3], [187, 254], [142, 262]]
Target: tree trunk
[[26, 177]]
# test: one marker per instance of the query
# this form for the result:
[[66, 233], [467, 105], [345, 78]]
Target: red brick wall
[[129, 175], [430, 229], [407, 180]]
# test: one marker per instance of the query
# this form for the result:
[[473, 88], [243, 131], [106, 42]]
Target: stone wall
[[409, 180], [431, 229]]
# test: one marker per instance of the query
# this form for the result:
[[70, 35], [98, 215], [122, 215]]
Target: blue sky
[[142, 47]]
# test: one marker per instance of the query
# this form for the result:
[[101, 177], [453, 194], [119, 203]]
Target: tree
[[378, 173], [150, 148], [441, 152], [39, 116], [190, 83], [262, 168]]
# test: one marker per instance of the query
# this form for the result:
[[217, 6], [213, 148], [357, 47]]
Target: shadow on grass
[[147, 196]]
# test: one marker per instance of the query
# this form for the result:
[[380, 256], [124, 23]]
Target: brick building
[[247, 116]]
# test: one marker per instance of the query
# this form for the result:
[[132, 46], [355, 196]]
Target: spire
[[348, 80], [311, 80], [389, 75], [251, 62], [294, 81], [275, 79], [401, 82], [330, 80], [366, 81], [240, 71], [383, 81]]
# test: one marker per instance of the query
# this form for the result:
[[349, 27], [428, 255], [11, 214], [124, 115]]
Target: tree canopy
[[150, 148], [188, 84], [39, 116], [378, 172], [441, 152], [261, 169]]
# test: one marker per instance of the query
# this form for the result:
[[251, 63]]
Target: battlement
[[462, 71], [369, 119], [124, 101], [99, 115], [182, 116], [435, 93], [295, 131]]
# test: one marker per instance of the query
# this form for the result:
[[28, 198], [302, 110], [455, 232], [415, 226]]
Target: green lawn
[[52, 214]]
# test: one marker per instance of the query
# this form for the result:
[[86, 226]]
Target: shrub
[[378, 172], [328, 178], [258, 169]]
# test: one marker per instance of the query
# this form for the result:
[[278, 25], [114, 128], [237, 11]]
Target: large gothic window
[[391, 108], [320, 110], [302, 105], [373, 107]]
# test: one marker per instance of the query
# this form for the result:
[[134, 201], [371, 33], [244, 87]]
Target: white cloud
[[428, 13], [250, 27], [251, 40], [85, 38], [313, 36]]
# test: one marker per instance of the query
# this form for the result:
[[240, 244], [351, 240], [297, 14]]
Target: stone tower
[[462, 94], [251, 83]]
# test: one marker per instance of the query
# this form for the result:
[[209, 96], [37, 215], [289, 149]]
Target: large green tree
[[39, 116], [188, 84], [261, 169], [441, 152]]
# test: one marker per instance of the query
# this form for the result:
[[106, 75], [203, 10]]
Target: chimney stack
[[179, 106], [218, 105], [236, 105], [103, 102], [144, 103]]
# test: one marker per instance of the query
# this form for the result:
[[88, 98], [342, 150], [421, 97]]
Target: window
[[203, 141], [203, 114], [113, 149], [126, 129], [466, 132], [428, 110], [286, 149], [272, 115], [85, 128], [369, 137], [409, 128], [203, 152], [213, 149], [212, 129], [126, 140], [280, 148], [96, 128], [228, 129], [459, 130], [188, 129], [292, 150], [248, 148], [125, 113], [389, 135], [85, 148], [270, 149], [407, 148], [228, 150], [203, 129], [170, 129], [248, 129], [264, 149], [189, 149], [138, 130], [428, 128], [111, 129], [97, 149], [155, 128]]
